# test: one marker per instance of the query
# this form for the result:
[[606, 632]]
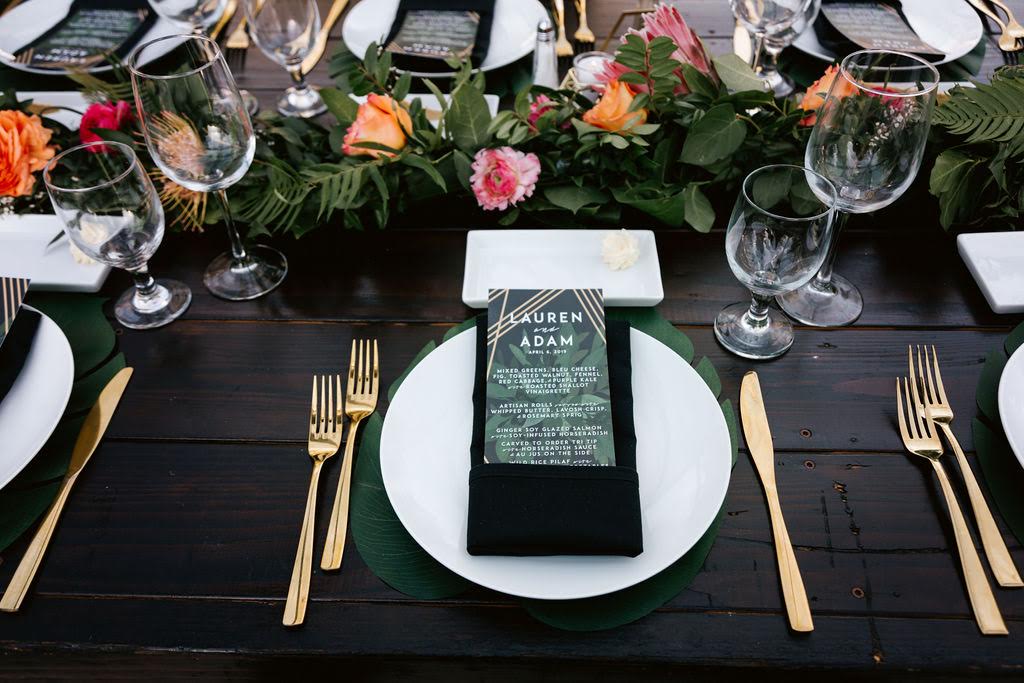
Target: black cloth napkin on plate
[[44, 43], [519, 509], [834, 40], [485, 10], [15, 347]]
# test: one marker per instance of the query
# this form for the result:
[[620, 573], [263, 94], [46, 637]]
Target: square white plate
[[558, 259], [996, 260], [24, 253]]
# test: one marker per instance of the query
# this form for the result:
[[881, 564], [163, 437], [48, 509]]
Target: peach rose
[[24, 149], [815, 95], [381, 120], [612, 111]]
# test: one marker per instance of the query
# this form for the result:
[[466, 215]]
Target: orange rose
[[380, 119], [612, 111], [815, 95], [24, 149]]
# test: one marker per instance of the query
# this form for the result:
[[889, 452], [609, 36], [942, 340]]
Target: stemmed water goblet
[[777, 41], [111, 211], [765, 18], [199, 134], [868, 140], [286, 31], [777, 238]]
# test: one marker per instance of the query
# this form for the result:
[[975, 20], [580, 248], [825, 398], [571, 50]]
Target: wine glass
[[286, 31], [777, 238], [111, 211], [777, 41], [766, 17], [200, 136], [868, 139]]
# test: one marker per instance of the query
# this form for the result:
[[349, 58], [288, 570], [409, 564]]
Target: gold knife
[[321, 38], [759, 443], [88, 439], [229, 11]]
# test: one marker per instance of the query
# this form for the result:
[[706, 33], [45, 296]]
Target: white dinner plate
[[951, 26], [683, 459], [513, 30], [32, 18], [37, 399], [1011, 402]]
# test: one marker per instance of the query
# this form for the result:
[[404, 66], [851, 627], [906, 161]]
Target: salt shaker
[[545, 62]]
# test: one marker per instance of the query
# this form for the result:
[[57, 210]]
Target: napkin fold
[[520, 510], [831, 38], [483, 8], [15, 346]]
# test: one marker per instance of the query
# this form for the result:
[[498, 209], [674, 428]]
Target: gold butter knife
[[321, 38], [88, 439], [759, 443]]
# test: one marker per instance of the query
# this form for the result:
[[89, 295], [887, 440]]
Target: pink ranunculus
[[665, 20], [503, 176], [108, 115], [541, 105]]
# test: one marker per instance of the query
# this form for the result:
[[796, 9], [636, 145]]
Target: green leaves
[[468, 119], [736, 73], [697, 210], [988, 112], [655, 200], [572, 198], [341, 106], [714, 137], [954, 180]]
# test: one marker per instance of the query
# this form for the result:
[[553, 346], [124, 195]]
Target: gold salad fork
[[360, 402], [583, 33], [324, 441], [563, 48], [921, 438], [1013, 27]]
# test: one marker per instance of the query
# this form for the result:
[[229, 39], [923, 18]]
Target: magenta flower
[[541, 105], [666, 21], [503, 176]]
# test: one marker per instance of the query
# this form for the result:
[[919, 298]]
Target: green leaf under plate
[[988, 385], [1015, 339], [1003, 475], [82, 320]]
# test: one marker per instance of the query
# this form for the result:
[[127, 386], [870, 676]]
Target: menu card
[[436, 34], [875, 26], [12, 291], [88, 35], [548, 400]]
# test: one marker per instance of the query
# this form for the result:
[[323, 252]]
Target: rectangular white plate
[[996, 260], [72, 100], [557, 259], [24, 253]]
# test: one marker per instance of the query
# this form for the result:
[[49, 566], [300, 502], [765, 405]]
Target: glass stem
[[298, 78], [238, 252], [758, 48], [757, 316], [823, 280], [145, 285], [771, 60]]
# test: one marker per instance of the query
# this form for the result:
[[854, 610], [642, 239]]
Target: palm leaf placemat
[[392, 554]]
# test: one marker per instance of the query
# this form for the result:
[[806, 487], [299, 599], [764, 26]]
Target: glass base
[[778, 82], [835, 306], [252, 105], [305, 103], [736, 333], [169, 300], [229, 279]]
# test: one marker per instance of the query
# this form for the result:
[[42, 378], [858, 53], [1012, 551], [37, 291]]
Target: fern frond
[[989, 112]]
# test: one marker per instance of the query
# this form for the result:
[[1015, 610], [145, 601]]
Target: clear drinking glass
[[868, 139], [766, 17], [286, 30], [199, 134], [777, 41], [777, 238], [111, 212]]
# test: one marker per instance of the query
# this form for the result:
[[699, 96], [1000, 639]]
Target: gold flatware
[[583, 33], [324, 441], [759, 443], [920, 437], [237, 46], [333, 14], [360, 402], [1007, 43], [229, 11], [926, 374], [10, 5], [563, 48], [1013, 26], [89, 438]]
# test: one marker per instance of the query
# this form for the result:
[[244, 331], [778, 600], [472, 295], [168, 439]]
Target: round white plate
[[513, 30], [1011, 402], [37, 399], [33, 18], [948, 25], [683, 459]]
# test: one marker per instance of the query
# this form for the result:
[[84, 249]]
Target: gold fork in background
[[920, 437], [325, 423], [225, 18], [1013, 26], [583, 33], [933, 395], [237, 46], [360, 402], [1007, 43], [563, 48]]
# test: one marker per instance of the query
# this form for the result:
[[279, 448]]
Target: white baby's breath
[[620, 249]]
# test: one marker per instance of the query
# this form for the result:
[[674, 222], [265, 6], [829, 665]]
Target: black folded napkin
[[558, 509], [14, 347], [835, 40], [455, 11]]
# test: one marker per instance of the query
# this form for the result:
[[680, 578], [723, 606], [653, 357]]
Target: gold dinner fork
[[921, 438], [563, 48], [360, 402], [1013, 26], [583, 33], [933, 395], [1007, 42], [324, 441]]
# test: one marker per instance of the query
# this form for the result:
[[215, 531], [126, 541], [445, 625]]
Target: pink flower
[[107, 115], [541, 105], [666, 21], [503, 176]]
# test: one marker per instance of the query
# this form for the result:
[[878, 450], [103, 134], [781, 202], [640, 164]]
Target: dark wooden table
[[175, 550]]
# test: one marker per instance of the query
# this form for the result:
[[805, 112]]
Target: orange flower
[[612, 111], [815, 95], [24, 149], [381, 120]]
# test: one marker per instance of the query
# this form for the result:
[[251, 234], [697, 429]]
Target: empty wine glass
[[200, 136], [777, 41], [111, 211], [777, 238], [868, 140], [766, 17], [286, 30]]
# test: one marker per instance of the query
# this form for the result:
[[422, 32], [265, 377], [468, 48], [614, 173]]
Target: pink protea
[[666, 21], [503, 176], [541, 105]]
